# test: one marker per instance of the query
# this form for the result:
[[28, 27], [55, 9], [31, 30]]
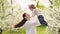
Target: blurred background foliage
[[11, 13]]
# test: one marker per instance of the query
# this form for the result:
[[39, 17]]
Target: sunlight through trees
[[11, 13]]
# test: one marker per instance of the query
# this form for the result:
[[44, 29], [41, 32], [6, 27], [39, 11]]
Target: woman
[[29, 24]]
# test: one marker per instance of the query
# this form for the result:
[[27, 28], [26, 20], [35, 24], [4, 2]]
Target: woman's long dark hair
[[22, 22]]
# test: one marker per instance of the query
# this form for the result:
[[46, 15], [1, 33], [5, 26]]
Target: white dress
[[31, 26]]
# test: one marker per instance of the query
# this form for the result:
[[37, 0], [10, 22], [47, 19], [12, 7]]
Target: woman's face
[[27, 16]]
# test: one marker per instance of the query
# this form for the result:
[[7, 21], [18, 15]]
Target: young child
[[35, 11]]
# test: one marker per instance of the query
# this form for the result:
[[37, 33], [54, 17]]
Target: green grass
[[40, 30]]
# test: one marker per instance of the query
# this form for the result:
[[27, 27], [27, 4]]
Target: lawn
[[40, 30]]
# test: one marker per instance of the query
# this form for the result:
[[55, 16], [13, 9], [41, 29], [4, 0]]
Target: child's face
[[32, 7]]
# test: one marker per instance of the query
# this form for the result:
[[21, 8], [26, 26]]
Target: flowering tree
[[10, 13]]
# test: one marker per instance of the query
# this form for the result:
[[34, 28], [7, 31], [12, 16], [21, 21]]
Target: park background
[[11, 13]]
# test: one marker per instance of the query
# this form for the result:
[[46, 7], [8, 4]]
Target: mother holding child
[[30, 24]]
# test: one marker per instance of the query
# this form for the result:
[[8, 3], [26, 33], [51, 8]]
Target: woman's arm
[[34, 21]]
